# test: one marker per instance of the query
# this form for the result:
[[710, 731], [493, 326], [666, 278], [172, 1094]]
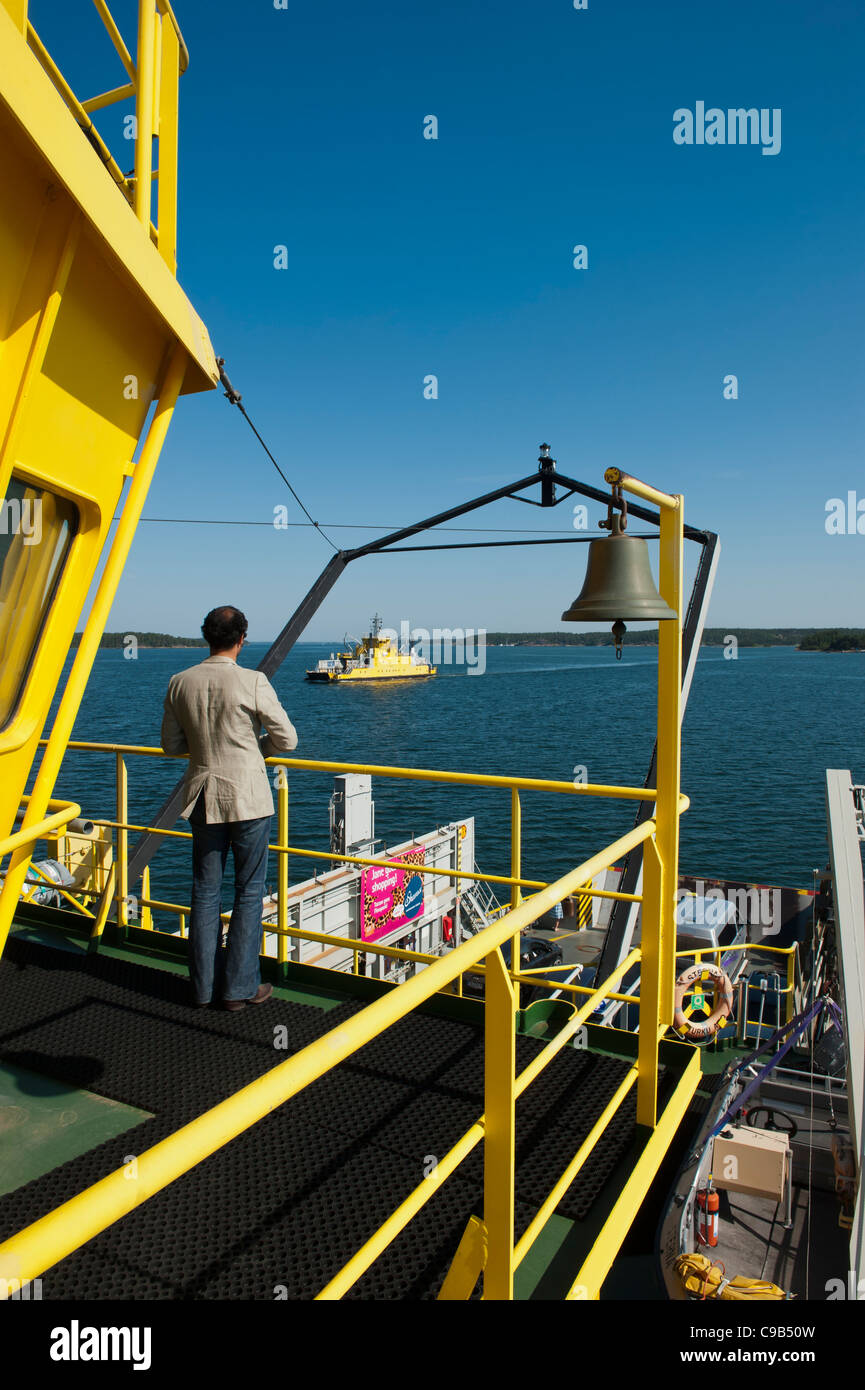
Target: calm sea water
[[759, 733]]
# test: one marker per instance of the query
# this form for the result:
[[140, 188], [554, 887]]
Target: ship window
[[36, 531], [691, 943]]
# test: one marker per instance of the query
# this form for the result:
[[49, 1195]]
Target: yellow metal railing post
[[145, 913], [499, 1124], [104, 904], [145, 69], [516, 845], [650, 986], [661, 863], [516, 869], [157, 79], [122, 800], [467, 1263], [669, 743], [282, 871], [166, 240]]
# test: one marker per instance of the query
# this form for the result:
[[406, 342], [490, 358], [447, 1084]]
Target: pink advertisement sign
[[391, 897]]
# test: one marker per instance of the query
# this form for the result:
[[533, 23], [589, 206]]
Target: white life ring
[[722, 989]]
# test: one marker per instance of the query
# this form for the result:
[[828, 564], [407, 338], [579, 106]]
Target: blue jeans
[[234, 973]]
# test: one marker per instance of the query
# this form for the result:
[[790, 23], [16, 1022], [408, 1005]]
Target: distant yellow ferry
[[375, 658]]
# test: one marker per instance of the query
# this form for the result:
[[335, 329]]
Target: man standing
[[215, 711]]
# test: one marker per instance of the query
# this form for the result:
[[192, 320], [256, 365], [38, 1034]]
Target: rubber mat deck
[[278, 1211]]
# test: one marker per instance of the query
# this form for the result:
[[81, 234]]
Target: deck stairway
[[478, 905]]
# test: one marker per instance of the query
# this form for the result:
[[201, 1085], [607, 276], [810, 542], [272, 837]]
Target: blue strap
[[798, 1025]]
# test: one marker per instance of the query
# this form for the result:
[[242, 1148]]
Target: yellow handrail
[[31, 833], [282, 931], [75, 106], [390, 1229], [278, 848], [161, 59], [418, 774], [375, 948], [59, 1233], [740, 946], [513, 784], [56, 1235], [116, 38]]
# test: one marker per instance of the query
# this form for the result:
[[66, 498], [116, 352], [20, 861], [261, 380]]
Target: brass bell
[[618, 584]]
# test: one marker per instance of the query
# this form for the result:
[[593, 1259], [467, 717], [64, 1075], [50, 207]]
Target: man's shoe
[[260, 997]]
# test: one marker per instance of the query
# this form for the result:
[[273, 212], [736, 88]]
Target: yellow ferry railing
[[758, 947], [53, 1237], [56, 1235], [118, 889], [154, 77], [48, 825]]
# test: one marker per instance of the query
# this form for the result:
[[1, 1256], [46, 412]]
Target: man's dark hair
[[223, 628]]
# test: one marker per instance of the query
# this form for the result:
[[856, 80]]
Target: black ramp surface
[[279, 1210]]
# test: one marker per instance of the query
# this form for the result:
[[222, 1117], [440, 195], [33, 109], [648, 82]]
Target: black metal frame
[[549, 481]]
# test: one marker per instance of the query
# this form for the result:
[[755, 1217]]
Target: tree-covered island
[[144, 639], [806, 639]]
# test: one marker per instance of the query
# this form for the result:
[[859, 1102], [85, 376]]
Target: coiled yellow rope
[[707, 1280]]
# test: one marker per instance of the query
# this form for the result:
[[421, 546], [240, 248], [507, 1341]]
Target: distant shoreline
[[839, 641], [153, 641]]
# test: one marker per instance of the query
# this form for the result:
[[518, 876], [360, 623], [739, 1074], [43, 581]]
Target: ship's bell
[[618, 584]]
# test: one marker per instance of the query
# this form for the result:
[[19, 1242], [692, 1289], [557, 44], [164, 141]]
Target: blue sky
[[303, 127]]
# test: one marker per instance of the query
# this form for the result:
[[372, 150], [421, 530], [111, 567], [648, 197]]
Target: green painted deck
[[44, 1123]]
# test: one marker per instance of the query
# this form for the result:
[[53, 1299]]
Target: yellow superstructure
[[97, 341], [374, 658]]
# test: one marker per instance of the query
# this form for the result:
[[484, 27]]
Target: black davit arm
[[549, 481]]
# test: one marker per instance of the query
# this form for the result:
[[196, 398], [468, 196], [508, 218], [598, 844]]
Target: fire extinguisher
[[708, 1202]]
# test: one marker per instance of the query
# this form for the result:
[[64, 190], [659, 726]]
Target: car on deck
[[535, 954]]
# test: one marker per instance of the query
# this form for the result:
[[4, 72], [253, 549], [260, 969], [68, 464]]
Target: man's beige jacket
[[215, 711]]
